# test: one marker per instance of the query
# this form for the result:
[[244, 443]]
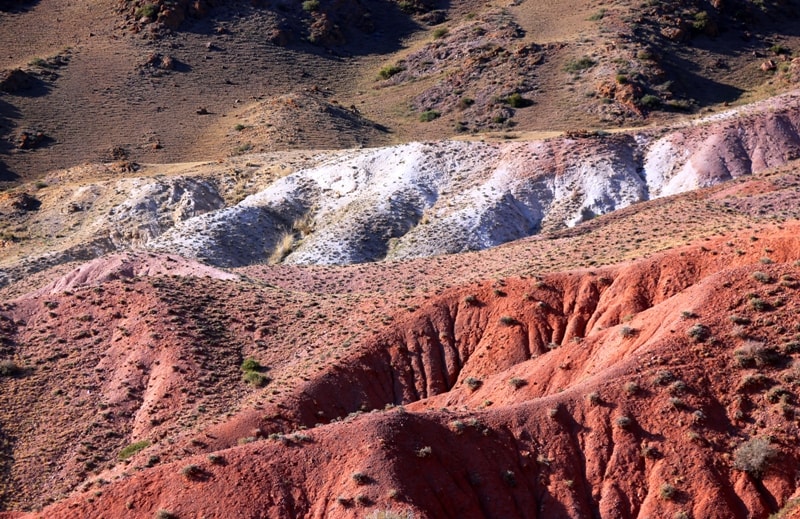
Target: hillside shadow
[[689, 79], [16, 6], [389, 26], [8, 112]]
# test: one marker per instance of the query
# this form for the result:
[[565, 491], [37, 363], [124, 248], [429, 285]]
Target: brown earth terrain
[[399, 259], [180, 81]]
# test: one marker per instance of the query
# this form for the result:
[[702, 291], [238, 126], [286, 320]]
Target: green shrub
[[699, 332], [256, 379], [133, 448], [440, 32], [429, 115], [192, 472], [517, 383], [516, 100], [580, 64], [650, 101], [147, 11], [310, 6], [389, 71], [251, 364]]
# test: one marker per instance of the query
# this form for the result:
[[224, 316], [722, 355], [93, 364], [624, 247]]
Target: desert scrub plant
[[778, 394], [216, 459], [132, 449], [440, 32], [579, 64], [699, 332], [251, 364], [508, 320], [389, 71], [628, 332], [516, 100], [457, 426], [509, 477], [664, 377], [283, 247], [755, 354], [623, 422], [310, 6], [473, 383], [754, 456], [360, 478], [429, 115], [164, 514], [631, 388], [517, 383], [650, 101], [192, 471], [9, 368], [345, 502], [762, 277], [667, 492], [753, 382], [593, 398], [759, 305], [424, 452], [146, 11], [471, 300]]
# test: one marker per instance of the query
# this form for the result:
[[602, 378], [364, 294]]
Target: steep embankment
[[629, 391]]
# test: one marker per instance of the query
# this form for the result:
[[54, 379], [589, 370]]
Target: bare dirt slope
[[623, 390]]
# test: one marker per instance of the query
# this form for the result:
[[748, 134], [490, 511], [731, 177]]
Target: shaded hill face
[[179, 81], [619, 392]]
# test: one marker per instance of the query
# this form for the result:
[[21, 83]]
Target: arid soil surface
[[399, 259], [573, 374]]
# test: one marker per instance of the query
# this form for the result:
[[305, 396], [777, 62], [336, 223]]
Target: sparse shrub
[[424, 452], [440, 32], [310, 6], [580, 64], [627, 332], [457, 426], [251, 364], [389, 71], [779, 49], [631, 388], [739, 319], [688, 314], [216, 459], [699, 332], [516, 100], [664, 377], [429, 115], [508, 320], [517, 383], [132, 449], [553, 412], [473, 383], [239, 127], [510, 478], [471, 300], [344, 501], [146, 11], [164, 514], [757, 354], [465, 102], [762, 277], [650, 101], [678, 387], [593, 398], [9, 368], [667, 492], [360, 478], [363, 500], [754, 456], [753, 382], [701, 21], [677, 403], [598, 15], [760, 305], [191, 471], [623, 422], [778, 394]]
